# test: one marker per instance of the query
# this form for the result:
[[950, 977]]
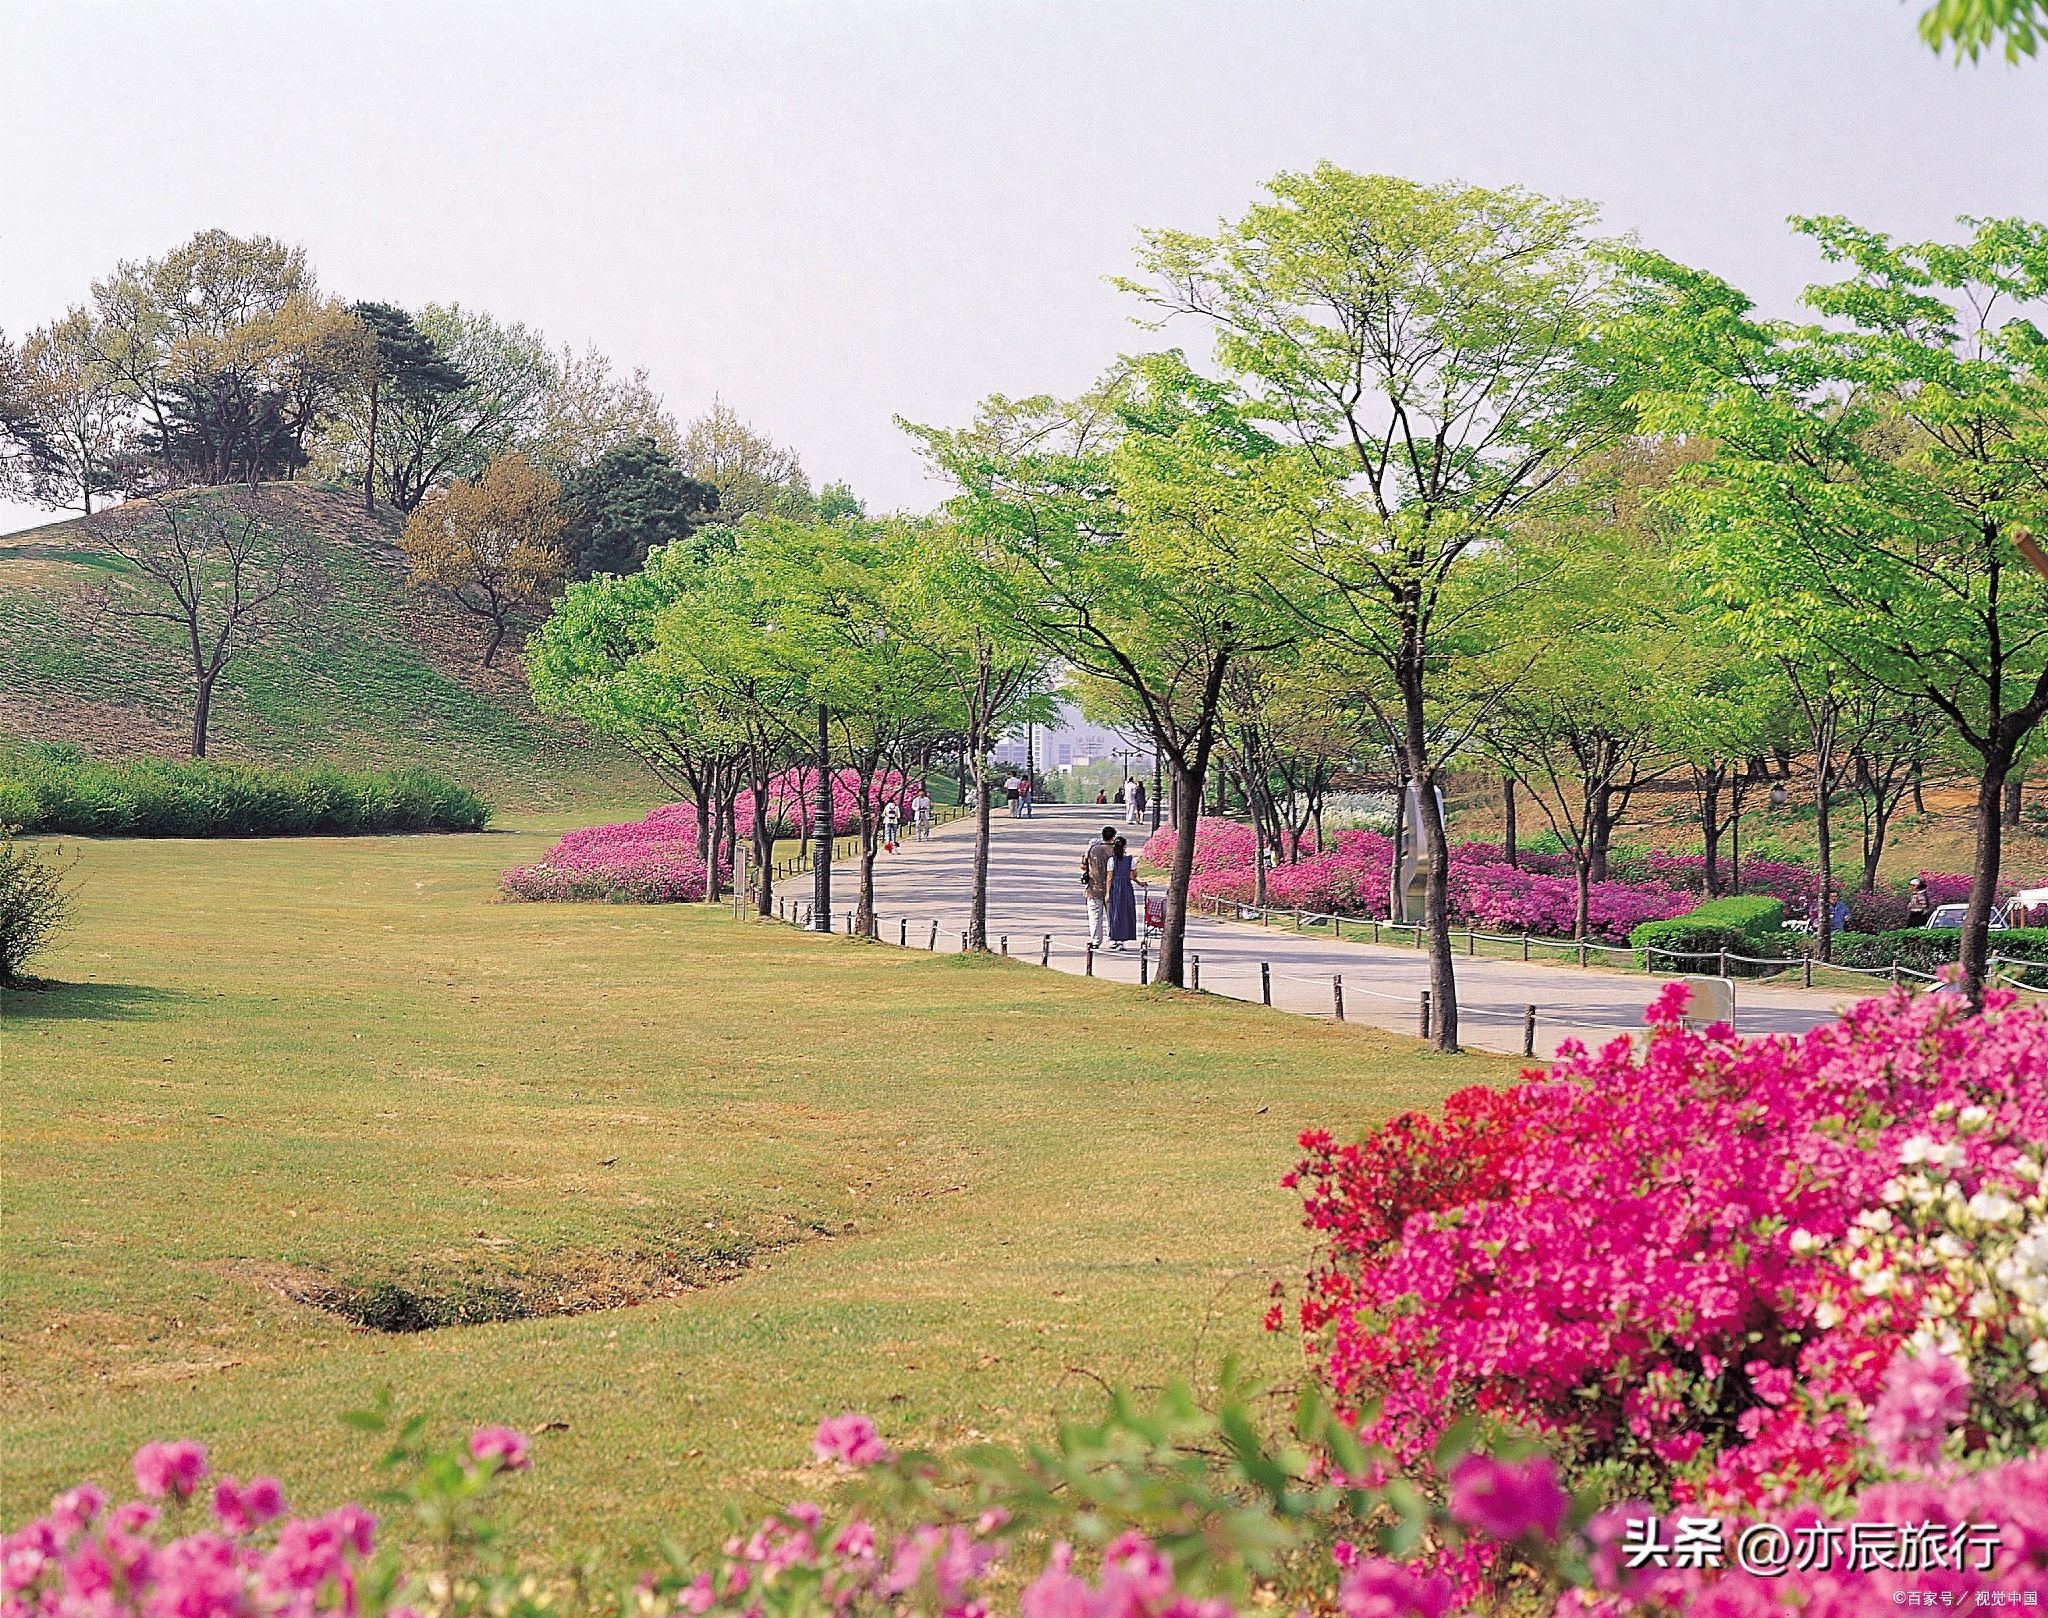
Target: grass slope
[[374, 676], [968, 1187]]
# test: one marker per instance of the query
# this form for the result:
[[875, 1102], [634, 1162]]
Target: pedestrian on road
[[921, 812], [1141, 801], [1123, 899], [1130, 800], [892, 821], [1917, 907], [1010, 786], [1839, 915], [1102, 797], [1095, 883], [1027, 795]]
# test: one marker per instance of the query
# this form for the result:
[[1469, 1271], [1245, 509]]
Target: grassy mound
[[374, 676]]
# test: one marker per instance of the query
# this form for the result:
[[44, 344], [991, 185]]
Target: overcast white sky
[[836, 213]]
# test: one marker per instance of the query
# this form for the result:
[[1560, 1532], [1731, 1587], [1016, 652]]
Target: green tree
[[70, 420], [1429, 353], [402, 360], [633, 499], [1970, 26], [1872, 476], [1106, 526]]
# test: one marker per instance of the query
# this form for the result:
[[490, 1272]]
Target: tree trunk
[[1436, 914], [497, 638], [1919, 802], [1582, 868], [1187, 790], [1823, 768], [984, 827], [201, 713], [764, 847], [1709, 787], [864, 910], [1976, 942], [2013, 786], [821, 859], [370, 460], [1599, 830], [1507, 798]]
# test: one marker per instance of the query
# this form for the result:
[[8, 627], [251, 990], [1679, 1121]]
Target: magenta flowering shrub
[[656, 860], [1717, 1268]]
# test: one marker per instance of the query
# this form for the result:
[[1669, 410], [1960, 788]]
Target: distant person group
[[920, 819]]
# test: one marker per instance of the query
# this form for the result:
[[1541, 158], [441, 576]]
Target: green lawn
[[947, 1192]]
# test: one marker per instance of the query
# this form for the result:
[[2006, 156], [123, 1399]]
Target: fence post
[[1375, 929], [849, 924], [1525, 943], [1197, 984], [903, 932], [1297, 918], [1471, 942], [1045, 951], [1336, 926], [1806, 968], [1142, 964], [1895, 974], [1425, 1014], [1724, 963], [1582, 952], [1337, 993], [963, 940], [934, 944], [1006, 944], [1090, 969], [1265, 983], [1528, 1030]]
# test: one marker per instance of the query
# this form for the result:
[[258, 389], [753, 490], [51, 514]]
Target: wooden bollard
[[1090, 968], [1006, 944], [1142, 979], [963, 940], [1528, 1030], [1045, 951], [1336, 926], [1525, 943], [903, 932], [1337, 993], [934, 944], [1425, 1014], [1197, 984], [1265, 983]]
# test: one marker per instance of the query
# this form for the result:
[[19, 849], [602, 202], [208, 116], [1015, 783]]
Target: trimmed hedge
[[1925, 949], [1746, 925], [51, 789]]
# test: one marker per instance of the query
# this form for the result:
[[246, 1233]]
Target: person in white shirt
[[1130, 800], [892, 819], [921, 813], [1010, 786]]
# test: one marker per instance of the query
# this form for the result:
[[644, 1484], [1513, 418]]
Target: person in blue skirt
[[1123, 899]]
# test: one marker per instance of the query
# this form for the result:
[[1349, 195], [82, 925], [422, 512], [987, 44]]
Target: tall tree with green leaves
[[400, 359], [1873, 477], [1429, 355], [1101, 521]]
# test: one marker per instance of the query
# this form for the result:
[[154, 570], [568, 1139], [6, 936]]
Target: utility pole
[[821, 860]]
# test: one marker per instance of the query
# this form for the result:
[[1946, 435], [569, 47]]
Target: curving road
[[1034, 890]]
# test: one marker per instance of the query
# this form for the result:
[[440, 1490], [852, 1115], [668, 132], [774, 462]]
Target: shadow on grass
[[88, 1002]]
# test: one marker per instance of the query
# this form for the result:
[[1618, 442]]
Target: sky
[[832, 215]]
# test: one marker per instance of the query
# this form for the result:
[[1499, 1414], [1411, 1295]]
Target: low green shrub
[[53, 790], [35, 903], [1927, 950], [1751, 925]]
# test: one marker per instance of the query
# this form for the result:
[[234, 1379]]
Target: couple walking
[[1112, 900]]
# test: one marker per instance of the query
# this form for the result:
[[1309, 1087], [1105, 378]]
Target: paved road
[[1034, 889]]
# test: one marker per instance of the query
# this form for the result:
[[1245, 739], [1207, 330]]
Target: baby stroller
[[1155, 913]]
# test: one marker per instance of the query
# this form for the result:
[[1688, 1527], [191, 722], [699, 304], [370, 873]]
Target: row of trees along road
[[1493, 489], [840, 646]]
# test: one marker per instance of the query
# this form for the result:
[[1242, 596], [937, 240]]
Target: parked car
[[1951, 917]]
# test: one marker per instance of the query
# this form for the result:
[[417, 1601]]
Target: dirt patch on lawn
[[458, 1290]]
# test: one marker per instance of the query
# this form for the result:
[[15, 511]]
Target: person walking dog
[[1095, 867]]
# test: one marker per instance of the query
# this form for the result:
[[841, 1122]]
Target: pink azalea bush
[[1714, 1269], [657, 860], [1350, 878]]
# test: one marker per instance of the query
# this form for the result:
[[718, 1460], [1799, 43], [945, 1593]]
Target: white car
[[1951, 916]]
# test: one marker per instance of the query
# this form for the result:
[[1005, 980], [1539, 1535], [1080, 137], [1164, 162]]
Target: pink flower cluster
[[85, 1560], [656, 860], [1650, 1269], [1350, 878], [1136, 1581]]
